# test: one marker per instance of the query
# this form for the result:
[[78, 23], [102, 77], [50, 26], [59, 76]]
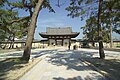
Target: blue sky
[[57, 19]]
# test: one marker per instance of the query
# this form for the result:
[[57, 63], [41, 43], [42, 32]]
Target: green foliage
[[82, 8], [90, 30], [17, 4], [88, 8], [2, 2], [10, 26], [111, 12], [30, 4], [6, 16], [46, 4], [88, 1], [2, 35], [13, 26], [80, 1]]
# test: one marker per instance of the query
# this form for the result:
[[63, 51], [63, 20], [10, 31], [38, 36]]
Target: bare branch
[[13, 21]]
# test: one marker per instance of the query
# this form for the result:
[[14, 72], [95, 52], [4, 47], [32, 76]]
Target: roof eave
[[72, 35]]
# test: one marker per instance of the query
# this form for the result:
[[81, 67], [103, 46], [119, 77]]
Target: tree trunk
[[101, 48], [111, 41], [93, 44], [10, 43], [69, 44], [13, 41], [27, 49]]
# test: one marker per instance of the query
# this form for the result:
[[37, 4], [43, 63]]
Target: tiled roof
[[59, 30]]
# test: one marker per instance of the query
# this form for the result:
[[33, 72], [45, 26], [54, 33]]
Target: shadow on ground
[[77, 78], [69, 58], [43, 52], [9, 64], [72, 60], [14, 63], [110, 66]]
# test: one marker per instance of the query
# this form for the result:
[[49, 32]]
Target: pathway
[[63, 65]]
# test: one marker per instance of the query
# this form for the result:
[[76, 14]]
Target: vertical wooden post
[[48, 41], [55, 41], [62, 41], [69, 43]]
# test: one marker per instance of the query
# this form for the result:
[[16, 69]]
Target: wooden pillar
[[43, 44], [48, 41], [69, 43], [55, 41], [62, 41]]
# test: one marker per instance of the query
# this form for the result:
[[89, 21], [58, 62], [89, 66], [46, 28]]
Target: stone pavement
[[63, 64]]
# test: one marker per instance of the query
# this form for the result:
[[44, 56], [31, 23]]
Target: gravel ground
[[57, 64]]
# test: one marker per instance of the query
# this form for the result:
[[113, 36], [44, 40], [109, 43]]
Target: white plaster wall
[[40, 45], [51, 41], [66, 42], [17, 45]]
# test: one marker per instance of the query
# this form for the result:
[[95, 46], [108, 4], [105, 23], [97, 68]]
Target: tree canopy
[[100, 15]]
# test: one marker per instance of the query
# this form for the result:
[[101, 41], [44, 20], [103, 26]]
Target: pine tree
[[11, 25], [33, 7]]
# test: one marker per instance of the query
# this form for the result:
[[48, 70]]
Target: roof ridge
[[57, 27]]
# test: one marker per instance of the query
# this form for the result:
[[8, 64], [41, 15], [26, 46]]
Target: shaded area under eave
[[46, 35]]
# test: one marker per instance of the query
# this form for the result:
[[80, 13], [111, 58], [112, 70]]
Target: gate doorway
[[59, 42]]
